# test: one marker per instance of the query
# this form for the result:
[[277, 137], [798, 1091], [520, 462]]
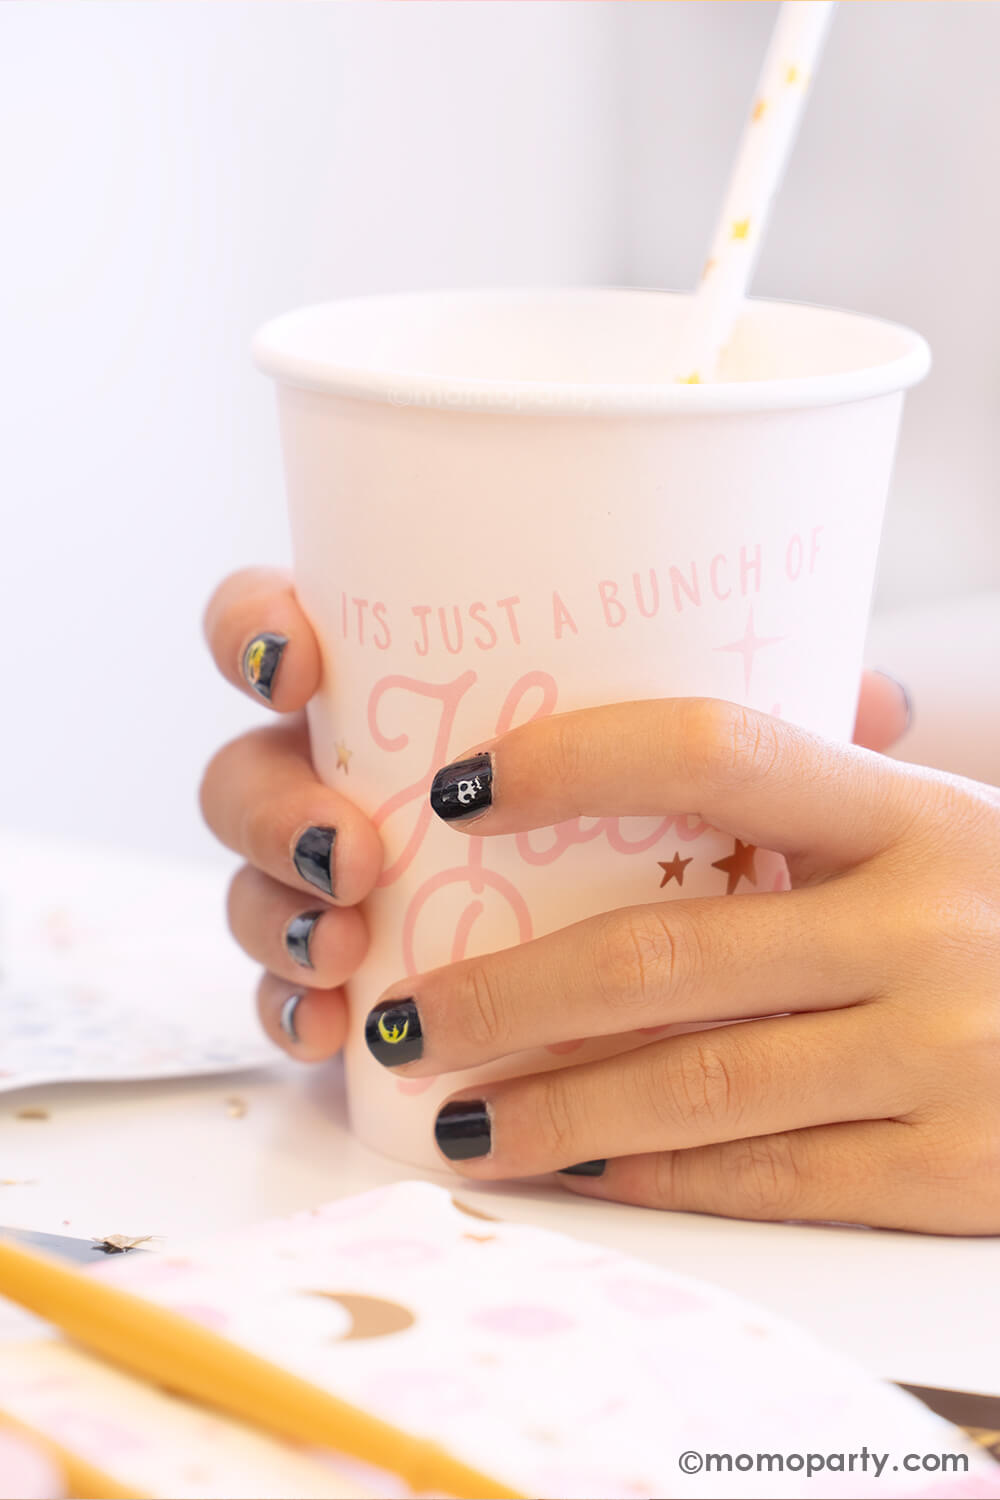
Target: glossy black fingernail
[[286, 1019], [298, 936], [463, 789], [462, 1129], [393, 1034], [313, 857], [260, 662], [584, 1169], [904, 693]]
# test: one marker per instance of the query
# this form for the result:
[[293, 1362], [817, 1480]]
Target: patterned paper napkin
[[118, 967], [558, 1367]]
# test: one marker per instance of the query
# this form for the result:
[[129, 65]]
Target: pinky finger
[[310, 1025], [872, 1172]]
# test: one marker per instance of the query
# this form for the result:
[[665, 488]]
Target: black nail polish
[[298, 936], [286, 1018], [463, 789], [462, 1129], [584, 1169], [313, 857], [393, 1034], [260, 662]]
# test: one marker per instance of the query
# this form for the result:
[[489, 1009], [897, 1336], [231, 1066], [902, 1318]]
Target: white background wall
[[174, 174]]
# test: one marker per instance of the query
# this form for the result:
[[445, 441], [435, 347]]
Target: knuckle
[[637, 954], [223, 775], [212, 777], [555, 1116], [700, 1088], [565, 749], [947, 932], [968, 923], [751, 744], [256, 830], [765, 1172], [668, 1173], [235, 899], [483, 1015], [727, 744]]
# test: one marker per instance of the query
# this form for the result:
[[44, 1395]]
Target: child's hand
[[870, 1095], [311, 854], [872, 1092]]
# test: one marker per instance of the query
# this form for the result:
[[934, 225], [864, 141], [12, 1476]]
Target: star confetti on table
[[737, 866], [673, 869], [343, 756], [740, 229], [759, 110], [120, 1244], [793, 75], [748, 646], [708, 267]]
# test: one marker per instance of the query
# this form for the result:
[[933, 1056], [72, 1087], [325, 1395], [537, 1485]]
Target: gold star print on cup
[[673, 869], [343, 756], [737, 866]]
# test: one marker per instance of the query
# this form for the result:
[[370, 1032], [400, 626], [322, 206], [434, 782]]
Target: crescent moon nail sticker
[[260, 662], [394, 1034]]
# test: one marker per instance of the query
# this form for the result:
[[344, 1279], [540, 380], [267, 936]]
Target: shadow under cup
[[502, 507]]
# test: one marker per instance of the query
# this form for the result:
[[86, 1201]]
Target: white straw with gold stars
[[763, 155]]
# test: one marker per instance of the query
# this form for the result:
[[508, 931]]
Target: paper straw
[[768, 137]]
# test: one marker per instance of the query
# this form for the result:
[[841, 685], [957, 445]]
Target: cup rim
[[274, 352]]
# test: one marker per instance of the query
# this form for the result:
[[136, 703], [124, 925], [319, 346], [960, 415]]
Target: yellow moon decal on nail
[[255, 658], [395, 1032]]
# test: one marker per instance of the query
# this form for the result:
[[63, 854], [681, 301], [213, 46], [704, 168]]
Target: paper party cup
[[501, 508]]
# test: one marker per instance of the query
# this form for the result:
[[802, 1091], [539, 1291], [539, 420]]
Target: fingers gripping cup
[[502, 508]]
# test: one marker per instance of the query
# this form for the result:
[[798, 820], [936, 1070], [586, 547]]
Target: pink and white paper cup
[[501, 508]]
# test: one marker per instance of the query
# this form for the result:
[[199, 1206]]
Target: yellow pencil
[[167, 1349]]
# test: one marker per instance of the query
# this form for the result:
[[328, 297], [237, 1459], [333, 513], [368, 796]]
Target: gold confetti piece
[[32, 1114], [708, 267], [114, 1244], [473, 1213], [740, 229], [693, 379], [236, 1108], [18, 1181], [759, 110]]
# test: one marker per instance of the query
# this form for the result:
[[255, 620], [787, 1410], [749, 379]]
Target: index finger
[[766, 781], [261, 641]]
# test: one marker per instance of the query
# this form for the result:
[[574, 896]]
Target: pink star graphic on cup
[[748, 648]]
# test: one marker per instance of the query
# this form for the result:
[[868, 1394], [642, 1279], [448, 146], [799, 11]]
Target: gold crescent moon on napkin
[[371, 1317]]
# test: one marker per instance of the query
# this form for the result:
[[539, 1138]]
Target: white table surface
[[168, 1159]]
